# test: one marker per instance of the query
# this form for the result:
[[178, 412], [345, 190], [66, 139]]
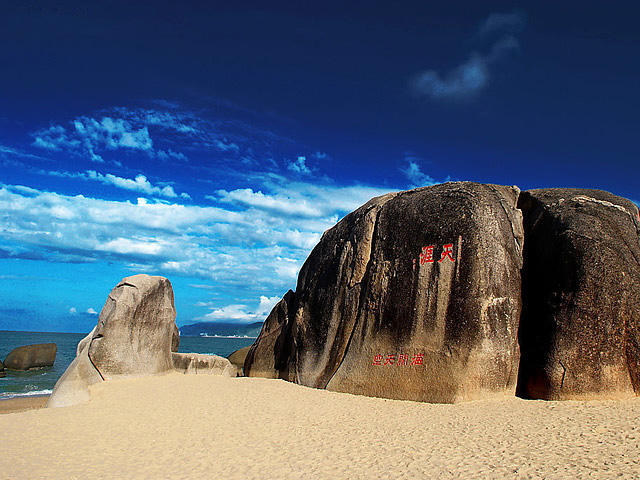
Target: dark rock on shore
[[31, 356], [415, 295], [2, 372], [580, 324]]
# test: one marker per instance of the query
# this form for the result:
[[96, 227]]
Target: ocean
[[42, 381]]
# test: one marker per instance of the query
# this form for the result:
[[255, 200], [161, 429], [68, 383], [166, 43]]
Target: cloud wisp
[[414, 174], [474, 75], [138, 184]]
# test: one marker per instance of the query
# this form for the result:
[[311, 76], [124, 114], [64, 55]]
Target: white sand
[[199, 426]]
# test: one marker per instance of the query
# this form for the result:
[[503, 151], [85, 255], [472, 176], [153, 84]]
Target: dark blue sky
[[213, 142]]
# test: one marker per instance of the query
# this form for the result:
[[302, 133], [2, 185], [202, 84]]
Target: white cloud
[[414, 173], [240, 313], [72, 311], [299, 165], [137, 184], [91, 311], [249, 243], [89, 136], [473, 76]]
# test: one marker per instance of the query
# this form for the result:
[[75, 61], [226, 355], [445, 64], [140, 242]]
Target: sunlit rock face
[[133, 338], [580, 324], [415, 295]]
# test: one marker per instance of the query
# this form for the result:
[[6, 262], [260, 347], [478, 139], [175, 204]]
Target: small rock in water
[[31, 356]]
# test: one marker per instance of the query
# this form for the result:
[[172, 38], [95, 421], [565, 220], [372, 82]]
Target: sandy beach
[[22, 404], [197, 426]]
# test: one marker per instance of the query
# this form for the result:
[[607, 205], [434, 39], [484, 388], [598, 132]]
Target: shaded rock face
[[415, 295], [175, 339], [198, 363], [2, 372], [238, 358], [31, 356], [580, 324], [133, 338]]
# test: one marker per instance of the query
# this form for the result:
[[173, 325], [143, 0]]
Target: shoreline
[[23, 403]]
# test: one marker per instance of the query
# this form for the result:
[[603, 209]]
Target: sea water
[[41, 381]]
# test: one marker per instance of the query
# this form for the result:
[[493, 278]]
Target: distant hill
[[221, 329]]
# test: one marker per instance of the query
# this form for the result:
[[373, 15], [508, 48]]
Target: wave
[[7, 395]]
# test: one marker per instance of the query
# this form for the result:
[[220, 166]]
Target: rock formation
[[2, 372], [415, 295], [31, 356], [133, 338], [238, 357], [197, 363], [580, 324], [175, 338]]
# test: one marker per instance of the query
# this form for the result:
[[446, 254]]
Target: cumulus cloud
[[473, 76], [91, 311], [138, 184], [303, 200], [169, 134], [251, 239], [299, 166], [240, 312], [414, 174]]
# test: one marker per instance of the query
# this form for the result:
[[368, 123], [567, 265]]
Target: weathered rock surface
[[2, 372], [133, 338], [379, 312], [73, 386], [238, 357], [197, 363], [175, 339], [580, 324], [31, 356]]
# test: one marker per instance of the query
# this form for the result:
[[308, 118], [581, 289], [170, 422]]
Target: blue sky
[[214, 143]]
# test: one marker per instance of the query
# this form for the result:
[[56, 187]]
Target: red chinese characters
[[417, 359], [398, 360], [426, 256], [446, 252]]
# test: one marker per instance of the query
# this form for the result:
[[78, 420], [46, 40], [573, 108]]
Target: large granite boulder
[[199, 363], [580, 324], [133, 338], [31, 356], [415, 295]]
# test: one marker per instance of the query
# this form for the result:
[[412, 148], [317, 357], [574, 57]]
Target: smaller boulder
[[238, 357], [31, 356], [2, 372], [198, 363]]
